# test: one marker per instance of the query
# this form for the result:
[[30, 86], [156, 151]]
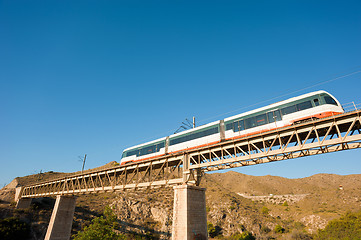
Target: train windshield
[[329, 100]]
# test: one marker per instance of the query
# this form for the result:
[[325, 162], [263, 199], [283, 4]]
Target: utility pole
[[194, 122], [82, 169]]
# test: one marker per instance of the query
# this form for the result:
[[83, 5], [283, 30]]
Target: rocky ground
[[235, 203]]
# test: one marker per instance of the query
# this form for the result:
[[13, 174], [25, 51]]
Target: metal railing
[[351, 106]]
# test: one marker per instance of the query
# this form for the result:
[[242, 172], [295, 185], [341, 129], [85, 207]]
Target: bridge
[[184, 170]]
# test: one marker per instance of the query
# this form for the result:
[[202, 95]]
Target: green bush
[[101, 228], [242, 236], [211, 230], [279, 229], [13, 228], [208, 209], [265, 210], [347, 227]]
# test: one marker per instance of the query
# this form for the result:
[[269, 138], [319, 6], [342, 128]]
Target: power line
[[280, 96], [264, 101]]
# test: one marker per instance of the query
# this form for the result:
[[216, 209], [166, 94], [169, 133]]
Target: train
[[313, 105]]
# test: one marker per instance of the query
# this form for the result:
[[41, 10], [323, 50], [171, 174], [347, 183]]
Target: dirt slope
[[235, 202]]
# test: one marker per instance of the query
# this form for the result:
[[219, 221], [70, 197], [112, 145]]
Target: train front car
[[310, 106], [306, 107]]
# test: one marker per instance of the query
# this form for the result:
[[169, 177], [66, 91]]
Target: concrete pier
[[189, 213], [18, 192], [61, 219]]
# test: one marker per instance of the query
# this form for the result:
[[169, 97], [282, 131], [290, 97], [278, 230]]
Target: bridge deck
[[337, 133]]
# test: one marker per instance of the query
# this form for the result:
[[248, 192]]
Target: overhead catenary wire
[[258, 103], [283, 95]]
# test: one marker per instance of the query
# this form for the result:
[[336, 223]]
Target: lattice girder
[[341, 132]]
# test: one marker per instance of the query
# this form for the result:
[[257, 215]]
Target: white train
[[313, 105]]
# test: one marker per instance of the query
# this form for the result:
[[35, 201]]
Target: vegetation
[[265, 210], [235, 202], [279, 229], [208, 209], [213, 231], [243, 236], [101, 228], [13, 228], [300, 235], [347, 227]]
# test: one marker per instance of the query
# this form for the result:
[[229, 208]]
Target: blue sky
[[95, 77]]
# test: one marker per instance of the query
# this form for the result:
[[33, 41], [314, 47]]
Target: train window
[[277, 115], [304, 105], [250, 123], [235, 126], [192, 136], [172, 141], [330, 100], [175, 141], [132, 152], [274, 116], [211, 131], [261, 120], [147, 150], [289, 110], [270, 116], [127, 153], [238, 126], [229, 126], [159, 146], [241, 125], [316, 102]]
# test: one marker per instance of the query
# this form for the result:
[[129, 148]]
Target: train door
[[274, 116], [238, 125]]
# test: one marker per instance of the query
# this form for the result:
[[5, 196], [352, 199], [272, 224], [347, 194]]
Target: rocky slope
[[309, 202], [235, 203]]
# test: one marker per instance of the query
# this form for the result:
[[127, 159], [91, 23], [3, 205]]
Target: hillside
[[235, 203], [312, 201]]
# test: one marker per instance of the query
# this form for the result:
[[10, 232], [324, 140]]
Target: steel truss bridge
[[337, 133]]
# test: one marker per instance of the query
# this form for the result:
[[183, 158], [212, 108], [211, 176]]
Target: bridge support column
[[61, 219], [21, 203], [189, 213], [18, 192]]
